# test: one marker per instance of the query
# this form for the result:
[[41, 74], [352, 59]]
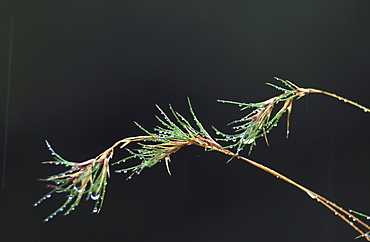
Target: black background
[[83, 71]]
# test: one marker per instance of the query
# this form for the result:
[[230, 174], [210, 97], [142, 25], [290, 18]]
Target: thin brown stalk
[[210, 144], [312, 90], [327, 203]]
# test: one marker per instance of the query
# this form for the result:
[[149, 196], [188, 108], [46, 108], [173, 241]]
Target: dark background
[[83, 71]]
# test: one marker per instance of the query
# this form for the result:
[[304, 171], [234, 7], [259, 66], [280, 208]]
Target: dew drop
[[94, 197], [95, 210], [249, 141], [48, 196], [368, 217], [125, 171]]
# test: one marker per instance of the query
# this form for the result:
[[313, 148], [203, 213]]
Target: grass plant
[[174, 132]]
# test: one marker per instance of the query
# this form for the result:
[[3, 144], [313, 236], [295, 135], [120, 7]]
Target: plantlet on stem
[[261, 120], [88, 177], [167, 140]]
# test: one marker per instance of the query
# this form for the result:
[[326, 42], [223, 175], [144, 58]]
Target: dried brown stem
[[327, 203], [312, 90], [208, 143]]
